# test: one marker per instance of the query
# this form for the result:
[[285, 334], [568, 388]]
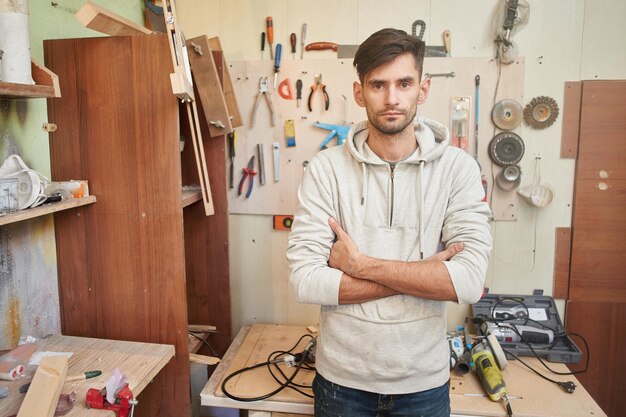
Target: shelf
[[26, 214], [46, 85], [191, 196]]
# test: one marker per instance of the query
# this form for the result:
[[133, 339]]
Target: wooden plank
[[26, 214], [203, 359], [562, 253], [229, 91], [102, 20], [190, 197], [571, 119], [207, 84], [43, 394], [43, 76]]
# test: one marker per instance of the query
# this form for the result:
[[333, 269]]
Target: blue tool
[[340, 131]]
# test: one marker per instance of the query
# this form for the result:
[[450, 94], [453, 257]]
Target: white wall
[[563, 41]]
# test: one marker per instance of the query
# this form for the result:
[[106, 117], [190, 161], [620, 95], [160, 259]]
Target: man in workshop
[[389, 227]]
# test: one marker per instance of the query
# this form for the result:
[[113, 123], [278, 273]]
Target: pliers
[[263, 91], [247, 172], [318, 85]]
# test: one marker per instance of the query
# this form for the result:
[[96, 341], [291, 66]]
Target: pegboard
[[280, 197]]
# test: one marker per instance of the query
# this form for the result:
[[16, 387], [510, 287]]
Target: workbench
[[531, 396], [140, 362]]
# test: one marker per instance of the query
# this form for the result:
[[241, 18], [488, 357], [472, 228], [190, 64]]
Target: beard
[[398, 123]]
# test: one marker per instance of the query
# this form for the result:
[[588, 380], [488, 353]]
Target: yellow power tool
[[488, 370]]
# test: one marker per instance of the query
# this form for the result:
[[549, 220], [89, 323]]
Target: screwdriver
[[302, 36], [279, 49], [262, 44], [270, 34], [231, 154], [298, 92], [292, 39]]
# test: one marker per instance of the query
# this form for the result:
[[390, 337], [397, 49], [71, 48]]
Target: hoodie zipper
[[391, 174]]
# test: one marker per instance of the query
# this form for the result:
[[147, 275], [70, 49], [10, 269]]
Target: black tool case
[[514, 309]]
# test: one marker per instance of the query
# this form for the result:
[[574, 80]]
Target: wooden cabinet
[[140, 263]]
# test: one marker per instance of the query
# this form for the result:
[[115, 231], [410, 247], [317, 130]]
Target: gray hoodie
[[432, 199]]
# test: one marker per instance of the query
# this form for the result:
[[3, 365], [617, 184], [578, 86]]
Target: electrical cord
[[274, 359], [568, 386], [204, 342]]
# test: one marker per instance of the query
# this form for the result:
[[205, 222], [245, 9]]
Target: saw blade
[[507, 114], [506, 148], [541, 112]]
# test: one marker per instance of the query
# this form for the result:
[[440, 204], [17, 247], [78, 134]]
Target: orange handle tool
[[321, 46], [270, 34]]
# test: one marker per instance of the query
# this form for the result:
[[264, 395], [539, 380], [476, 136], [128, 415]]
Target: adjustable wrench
[[442, 74]]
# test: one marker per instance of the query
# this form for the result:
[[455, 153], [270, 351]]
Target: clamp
[[318, 85], [340, 131], [263, 91], [123, 405]]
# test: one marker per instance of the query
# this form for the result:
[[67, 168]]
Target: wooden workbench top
[[532, 396], [140, 362]]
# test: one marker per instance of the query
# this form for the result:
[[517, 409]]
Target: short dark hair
[[384, 46]]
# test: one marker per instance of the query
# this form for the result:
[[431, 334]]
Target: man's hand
[[344, 255]]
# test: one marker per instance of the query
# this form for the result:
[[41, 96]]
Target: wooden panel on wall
[[126, 280], [571, 119], [600, 196], [602, 325], [562, 254]]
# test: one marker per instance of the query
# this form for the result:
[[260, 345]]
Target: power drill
[[489, 374]]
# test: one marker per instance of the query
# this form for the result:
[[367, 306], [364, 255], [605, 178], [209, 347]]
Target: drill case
[[537, 315]]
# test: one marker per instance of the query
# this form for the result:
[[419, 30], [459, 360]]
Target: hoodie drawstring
[[420, 196], [364, 189]]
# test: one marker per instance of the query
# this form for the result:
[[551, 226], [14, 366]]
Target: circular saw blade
[[541, 112], [507, 114], [506, 148]]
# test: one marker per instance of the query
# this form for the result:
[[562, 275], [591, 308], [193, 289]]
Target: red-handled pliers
[[247, 172], [318, 86]]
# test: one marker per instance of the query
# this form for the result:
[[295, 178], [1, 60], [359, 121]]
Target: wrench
[[443, 74]]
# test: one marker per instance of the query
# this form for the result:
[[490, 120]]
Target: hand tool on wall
[[447, 42], [335, 130], [260, 153], [298, 92], [302, 37], [279, 49], [483, 178], [285, 84], [290, 133], [292, 42], [264, 91], [283, 222], [322, 88], [343, 51], [247, 172], [231, 155], [269, 27], [276, 154], [431, 51], [460, 119], [262, 44]]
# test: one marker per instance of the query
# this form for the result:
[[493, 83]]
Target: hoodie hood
[[432, 138]]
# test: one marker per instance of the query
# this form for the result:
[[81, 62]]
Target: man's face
[[391, 94]]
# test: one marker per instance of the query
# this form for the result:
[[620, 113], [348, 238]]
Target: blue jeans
[[332, 400]]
